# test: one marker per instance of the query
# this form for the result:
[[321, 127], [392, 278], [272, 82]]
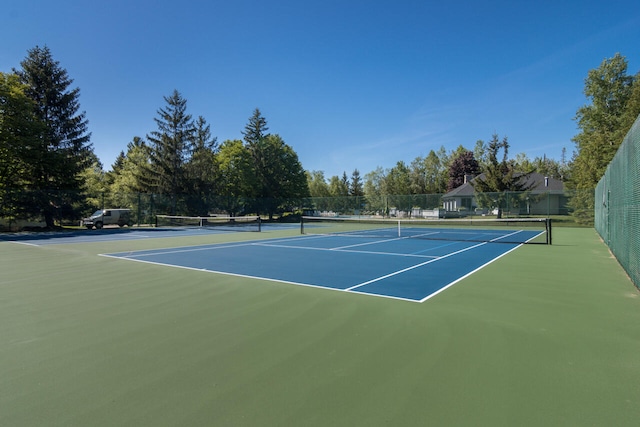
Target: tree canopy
[[47, 164], [614, 104], [463, 166], [500, 176], [58, 149]]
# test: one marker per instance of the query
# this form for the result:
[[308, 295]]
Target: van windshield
[[97, 213]]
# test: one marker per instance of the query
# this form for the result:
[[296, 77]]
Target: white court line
[[24, 243], [246, 276], [507, 235], [381, 241], [467, 275], [306, 248], [395, 273], [179, 250], [440, 247], [352, 289]]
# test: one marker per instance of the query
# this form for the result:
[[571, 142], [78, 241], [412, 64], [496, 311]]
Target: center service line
[[414, 266]]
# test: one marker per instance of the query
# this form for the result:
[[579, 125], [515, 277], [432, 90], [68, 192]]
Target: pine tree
[[254, 134], [202, 169], [56, 160], [356, 187], [171, 148], [499, 177], [256, 130]]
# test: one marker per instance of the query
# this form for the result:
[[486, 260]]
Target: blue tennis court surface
[[401, 268]]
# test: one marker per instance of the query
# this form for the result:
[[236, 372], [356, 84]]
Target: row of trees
[[435, 174], [47, 163], [184, 162], [613, 105], [45, 151], [439, 172]]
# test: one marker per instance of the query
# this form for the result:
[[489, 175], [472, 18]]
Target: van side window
[[107, 213]]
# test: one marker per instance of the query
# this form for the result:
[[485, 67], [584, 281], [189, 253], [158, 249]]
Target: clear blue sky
[[347, 83]]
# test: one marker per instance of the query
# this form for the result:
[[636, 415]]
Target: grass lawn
[[545, 336]]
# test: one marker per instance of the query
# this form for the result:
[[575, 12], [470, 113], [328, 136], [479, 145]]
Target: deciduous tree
[[604, 122], [317, 184], [462, 166], [236, 176], [19, 129]]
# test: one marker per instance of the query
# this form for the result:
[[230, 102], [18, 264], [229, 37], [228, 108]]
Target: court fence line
[[20, 209], [617, 204]]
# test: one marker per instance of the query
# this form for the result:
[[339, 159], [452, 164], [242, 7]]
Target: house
[[545, 197]]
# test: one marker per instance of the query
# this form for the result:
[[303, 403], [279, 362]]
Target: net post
[[549, 234], [301, 224], [156, 221], [259, 224]]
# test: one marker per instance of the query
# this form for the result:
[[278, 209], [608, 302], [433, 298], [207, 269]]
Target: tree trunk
[[48, 218]]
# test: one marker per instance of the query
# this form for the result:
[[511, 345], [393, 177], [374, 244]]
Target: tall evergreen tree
[[57, 159], [356, 187], [171, 146], [202, 169], [499, 177], [345, 182], [254, 134], [255, 130]]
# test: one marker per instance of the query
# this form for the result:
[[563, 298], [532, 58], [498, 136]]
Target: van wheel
[[98, 225]]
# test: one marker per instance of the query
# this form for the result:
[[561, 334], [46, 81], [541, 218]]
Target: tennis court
[[380, 261], [544, 335]]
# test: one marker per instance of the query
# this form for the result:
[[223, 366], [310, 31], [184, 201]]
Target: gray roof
[[534, 180]]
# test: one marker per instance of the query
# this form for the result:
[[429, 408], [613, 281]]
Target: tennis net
[[217, 223], [504, 230]]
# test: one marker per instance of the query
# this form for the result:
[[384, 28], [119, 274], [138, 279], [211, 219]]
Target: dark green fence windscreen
[[617, 204]]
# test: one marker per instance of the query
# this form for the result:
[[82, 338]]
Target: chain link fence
[[617, 204], [24, 210]]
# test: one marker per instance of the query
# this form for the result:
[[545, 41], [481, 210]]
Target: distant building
[[545, 197]]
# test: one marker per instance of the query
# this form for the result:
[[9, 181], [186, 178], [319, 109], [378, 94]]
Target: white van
[[104, 217]]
